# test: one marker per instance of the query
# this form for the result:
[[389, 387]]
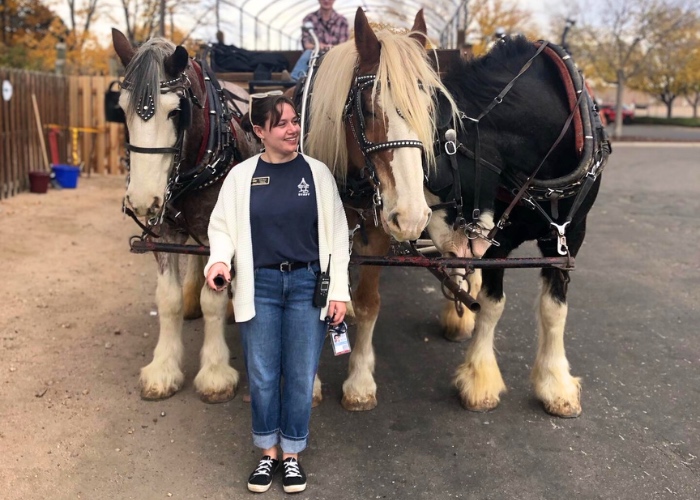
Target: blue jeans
[[282, 346], [302, 65]]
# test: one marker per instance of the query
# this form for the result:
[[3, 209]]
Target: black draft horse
[[529, 151]]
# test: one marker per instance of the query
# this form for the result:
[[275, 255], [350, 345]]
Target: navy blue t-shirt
[[283, 213]]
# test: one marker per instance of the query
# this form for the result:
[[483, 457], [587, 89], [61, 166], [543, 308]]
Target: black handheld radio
[[323, 283]]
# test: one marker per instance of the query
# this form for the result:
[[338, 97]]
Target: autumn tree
[[620, 37], [28, 29], [486, 17], [145, 19], [691, 76]]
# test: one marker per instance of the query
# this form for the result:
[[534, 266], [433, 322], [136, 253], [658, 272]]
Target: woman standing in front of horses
[[281, 220]]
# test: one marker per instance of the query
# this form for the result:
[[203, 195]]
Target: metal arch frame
[[433, 16]]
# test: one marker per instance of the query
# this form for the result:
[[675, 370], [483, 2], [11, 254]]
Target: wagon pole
[[565, 263]]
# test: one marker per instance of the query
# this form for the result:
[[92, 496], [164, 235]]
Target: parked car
[[607, 112]]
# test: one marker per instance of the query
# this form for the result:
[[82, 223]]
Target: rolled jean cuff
[[293, 445], [266, 441]]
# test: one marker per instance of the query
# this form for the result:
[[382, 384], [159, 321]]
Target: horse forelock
[[403, 63], [145, 71]]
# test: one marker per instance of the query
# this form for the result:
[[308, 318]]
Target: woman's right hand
[[218, 269]]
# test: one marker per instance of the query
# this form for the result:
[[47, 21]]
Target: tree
[[690, 75], [665, 75], [488, 17], [27, 26], [144, 18], [620, 38]]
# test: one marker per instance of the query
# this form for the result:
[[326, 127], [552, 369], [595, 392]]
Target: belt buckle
[[285, 266]]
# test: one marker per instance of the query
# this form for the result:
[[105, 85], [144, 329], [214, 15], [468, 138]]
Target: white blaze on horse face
[[405, 212], [148, 175]]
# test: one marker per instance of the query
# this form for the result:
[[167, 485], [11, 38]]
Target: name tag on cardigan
[[260, 181]]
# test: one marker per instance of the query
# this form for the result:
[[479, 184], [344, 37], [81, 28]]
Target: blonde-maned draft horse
[[181, 141], [372, 120]]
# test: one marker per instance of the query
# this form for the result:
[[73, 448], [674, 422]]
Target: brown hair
[[263, 109]]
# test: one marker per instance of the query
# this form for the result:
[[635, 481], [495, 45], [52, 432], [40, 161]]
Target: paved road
[[632, 335]]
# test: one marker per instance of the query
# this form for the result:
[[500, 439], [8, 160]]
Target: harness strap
[[521, 192], [477, 147], [151, 151]]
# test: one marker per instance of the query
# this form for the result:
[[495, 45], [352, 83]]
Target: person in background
[[280, 218], [331, 29]]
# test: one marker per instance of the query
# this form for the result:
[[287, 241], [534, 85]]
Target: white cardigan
[[230, 234]]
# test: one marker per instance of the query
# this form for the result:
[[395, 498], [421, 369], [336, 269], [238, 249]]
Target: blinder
[[184, 113], [113, 112]]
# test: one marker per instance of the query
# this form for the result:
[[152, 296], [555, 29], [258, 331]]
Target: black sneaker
[[294, 478], [261, 478]]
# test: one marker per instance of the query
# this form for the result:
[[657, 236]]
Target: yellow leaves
[[489, 16]]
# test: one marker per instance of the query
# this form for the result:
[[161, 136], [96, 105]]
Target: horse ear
[[419, 26], [366, 42], [177, 61], [122, 47]]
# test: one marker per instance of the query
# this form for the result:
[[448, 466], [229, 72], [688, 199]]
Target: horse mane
[[403, 62], [145, 71]]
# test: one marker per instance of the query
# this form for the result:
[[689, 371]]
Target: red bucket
[[39, 182]]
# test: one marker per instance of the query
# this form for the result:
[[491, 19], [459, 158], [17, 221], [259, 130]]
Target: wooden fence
[[71, 110]]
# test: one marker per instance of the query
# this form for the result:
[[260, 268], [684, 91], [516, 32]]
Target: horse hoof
[[457, 335], [357, 404], [316, 401], [563, 409], [218, 396], [482, 406], [156, 395]]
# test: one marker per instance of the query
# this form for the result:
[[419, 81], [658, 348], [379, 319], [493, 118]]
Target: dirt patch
[[77, 321]]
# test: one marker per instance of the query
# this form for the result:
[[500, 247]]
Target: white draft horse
[[372, 118], [181, 143]]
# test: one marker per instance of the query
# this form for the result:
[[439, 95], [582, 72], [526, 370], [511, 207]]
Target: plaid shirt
[[331, 32]]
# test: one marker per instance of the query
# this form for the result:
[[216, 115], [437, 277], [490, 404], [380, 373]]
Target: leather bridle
[[353, 111]]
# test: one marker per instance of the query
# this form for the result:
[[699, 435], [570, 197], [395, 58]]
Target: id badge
[[339, 338]]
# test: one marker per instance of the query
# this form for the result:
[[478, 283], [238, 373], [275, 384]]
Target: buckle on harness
[[562, 248]]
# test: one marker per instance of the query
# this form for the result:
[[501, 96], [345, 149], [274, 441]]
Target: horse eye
[[173, 113]]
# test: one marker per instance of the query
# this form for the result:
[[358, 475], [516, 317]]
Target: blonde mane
[[404, 63]]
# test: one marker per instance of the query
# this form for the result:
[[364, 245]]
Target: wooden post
[[41, 134]]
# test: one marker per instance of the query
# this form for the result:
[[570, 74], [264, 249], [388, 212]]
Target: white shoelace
[[291, 469], [264, 467]]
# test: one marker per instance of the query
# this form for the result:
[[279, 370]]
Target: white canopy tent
[[276, 24]]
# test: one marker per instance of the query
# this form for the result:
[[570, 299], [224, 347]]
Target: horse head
[[372, 121], [159, 89]]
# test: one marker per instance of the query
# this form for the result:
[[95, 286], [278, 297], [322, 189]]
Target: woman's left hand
[[336, 311]]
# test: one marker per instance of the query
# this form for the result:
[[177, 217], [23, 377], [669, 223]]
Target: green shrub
[[652, 120]]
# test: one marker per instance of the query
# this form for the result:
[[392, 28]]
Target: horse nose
[[407, 226], [155, 206]]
